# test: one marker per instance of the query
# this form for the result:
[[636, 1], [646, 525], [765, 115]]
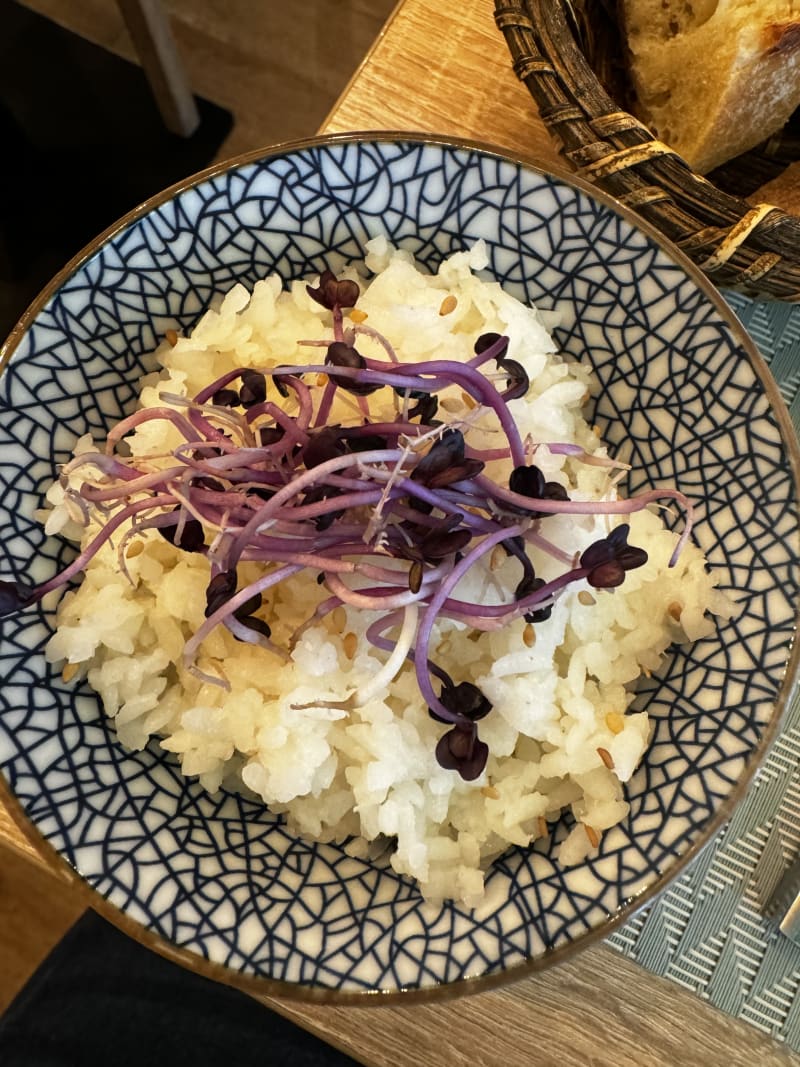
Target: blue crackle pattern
[[220, 876]]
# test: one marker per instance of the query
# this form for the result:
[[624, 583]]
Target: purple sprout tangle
[[390, 514]]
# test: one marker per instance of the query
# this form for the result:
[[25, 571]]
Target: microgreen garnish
[[389, 515]]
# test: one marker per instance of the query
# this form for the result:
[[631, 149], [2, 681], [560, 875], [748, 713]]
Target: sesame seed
[[586, 598], [544, 830], [469, 401], [171, 337], [497, 558], [448, 304], [350, 644], [135, 548], [529, 635], [675, 610], [449, 403], [69, 672], [615, 722], [606, 757], [415, 577], [357, 315], [338, 619], [592, 834], [490, 792], [322, 379]]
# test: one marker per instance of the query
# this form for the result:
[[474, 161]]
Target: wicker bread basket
[[569, 55]]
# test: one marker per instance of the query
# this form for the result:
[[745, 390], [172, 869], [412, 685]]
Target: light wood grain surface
[[444, 69]]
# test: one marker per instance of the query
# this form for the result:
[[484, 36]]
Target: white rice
[[560, 721]]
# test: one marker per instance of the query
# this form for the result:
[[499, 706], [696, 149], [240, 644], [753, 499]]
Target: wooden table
[[445, 69]]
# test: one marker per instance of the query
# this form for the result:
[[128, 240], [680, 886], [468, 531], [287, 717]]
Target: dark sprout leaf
[[192, 538], [464, 699], [211, 484], [530, 482], [342, 355], [347, 293], [607, 575], [14, 596], [437, 546], [261, 491], [608, 559], [258, 625], [486, 340], [425, 408], [207, 452], [366, 443], [270, 435], [254, 389], [531, 584], [423, 506], [324, 292], [323, 445], [460, 473], [460, 749], [517, 383], [331, 293], [539, 615], [249, 607], [219, 590], [515, 546], [429, 544], [280, 383], [413, 394], [447, 451], [227, 398], [323, 492]]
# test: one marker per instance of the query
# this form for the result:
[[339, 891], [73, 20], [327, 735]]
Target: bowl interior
[[678, 386]]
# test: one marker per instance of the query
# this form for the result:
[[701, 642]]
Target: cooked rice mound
[[560, 735]]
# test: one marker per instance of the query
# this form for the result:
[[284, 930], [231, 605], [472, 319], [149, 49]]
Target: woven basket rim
[[754, 249]]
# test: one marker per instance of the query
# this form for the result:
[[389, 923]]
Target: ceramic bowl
[[217, 881]]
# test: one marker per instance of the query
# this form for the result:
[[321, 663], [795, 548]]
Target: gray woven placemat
[[707, 932]]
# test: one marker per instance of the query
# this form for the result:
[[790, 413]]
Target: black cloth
[[103, 1000], [82, 144]]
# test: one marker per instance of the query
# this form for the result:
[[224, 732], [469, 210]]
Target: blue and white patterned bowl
[[217, 881]]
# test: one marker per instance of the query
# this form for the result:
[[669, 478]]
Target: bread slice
[[713, 78], [783, 191]]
